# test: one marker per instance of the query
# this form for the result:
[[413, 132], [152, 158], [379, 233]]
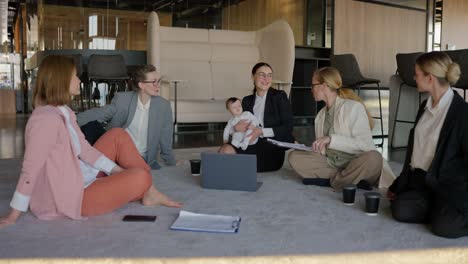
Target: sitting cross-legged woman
[[343, 152], [59, 174], [433, 185]]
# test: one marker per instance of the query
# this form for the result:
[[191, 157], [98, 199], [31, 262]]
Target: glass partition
[[121, 24]]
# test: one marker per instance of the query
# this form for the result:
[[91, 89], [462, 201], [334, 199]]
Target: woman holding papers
[[343, 152], [271, 107], [433, 185], [59, 174]]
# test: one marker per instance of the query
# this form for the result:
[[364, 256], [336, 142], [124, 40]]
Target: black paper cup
[[372, 202], [349, 192], [195, 166]]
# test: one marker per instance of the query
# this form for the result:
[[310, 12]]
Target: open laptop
[[229, 172]]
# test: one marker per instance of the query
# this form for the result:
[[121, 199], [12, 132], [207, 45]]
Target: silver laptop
[[229, 172]]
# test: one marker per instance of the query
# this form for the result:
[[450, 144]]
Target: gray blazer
[[120, 113]]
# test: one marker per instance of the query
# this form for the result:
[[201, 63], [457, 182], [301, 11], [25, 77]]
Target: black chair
[[461, 57], [78, 59], [352, 77], [405, 68], [109, 69]]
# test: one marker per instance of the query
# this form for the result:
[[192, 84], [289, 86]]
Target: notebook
[[189, 221], [236, 172]]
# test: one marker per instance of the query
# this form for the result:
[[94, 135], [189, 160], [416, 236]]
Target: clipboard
[[188, 221]]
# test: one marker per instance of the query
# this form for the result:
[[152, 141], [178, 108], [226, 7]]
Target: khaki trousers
[[366, 166]]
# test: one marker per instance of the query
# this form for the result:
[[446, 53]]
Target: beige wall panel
[[253, 15], [455, 24], [376, 33]]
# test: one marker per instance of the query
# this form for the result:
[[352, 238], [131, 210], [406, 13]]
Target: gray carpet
[[284, 217]]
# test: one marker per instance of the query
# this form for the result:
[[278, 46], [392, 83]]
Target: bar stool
[[352, 77], [461, 57], [109, 69], [405, 68]]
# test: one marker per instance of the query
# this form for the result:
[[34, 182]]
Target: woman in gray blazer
[[145, 115]]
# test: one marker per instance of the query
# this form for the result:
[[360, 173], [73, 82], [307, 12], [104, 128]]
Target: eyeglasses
[[155, 82], [265, 75], [315, 84]]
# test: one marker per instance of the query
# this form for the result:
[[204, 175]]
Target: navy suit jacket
[[447, 175], [278, 114]]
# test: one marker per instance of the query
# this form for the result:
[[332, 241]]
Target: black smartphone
[[139, 218]]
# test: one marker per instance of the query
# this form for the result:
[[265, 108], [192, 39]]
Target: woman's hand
[[256, 132], [242, 126], [320, 144], [10, 218]]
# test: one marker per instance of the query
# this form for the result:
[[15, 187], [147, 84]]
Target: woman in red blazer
[[59, 174]]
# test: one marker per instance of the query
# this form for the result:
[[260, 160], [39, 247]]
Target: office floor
[[12, 138]]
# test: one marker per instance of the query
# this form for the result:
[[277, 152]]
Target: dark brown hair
[[258, 66], [53, 81], [139, 75], [231, 100]]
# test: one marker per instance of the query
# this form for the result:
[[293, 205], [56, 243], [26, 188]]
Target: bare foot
[[154, 197]]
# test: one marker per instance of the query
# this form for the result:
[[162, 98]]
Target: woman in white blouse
[[433, 186]]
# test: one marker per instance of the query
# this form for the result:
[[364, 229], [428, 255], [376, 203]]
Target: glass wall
[[121, 24]]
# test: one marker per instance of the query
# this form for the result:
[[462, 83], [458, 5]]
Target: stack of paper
[[206, 223], [289, 145]]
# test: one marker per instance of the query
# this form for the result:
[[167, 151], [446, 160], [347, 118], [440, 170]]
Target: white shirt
[[259, 112], [427, 131], [138, 128], [89, 171]]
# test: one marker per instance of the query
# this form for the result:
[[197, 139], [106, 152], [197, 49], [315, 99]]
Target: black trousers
[[269, 156], [419, 204]]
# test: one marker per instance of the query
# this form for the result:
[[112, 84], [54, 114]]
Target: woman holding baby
[[272, 109]]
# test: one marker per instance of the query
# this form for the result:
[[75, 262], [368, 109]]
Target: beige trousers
[[366, 166]]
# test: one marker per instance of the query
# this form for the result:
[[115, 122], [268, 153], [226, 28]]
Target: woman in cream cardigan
[[343, 152], [59, 174]]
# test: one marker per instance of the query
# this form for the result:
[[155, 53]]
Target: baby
[[239, 139]]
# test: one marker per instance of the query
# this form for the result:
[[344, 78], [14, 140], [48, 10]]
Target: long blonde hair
[[332, 78]]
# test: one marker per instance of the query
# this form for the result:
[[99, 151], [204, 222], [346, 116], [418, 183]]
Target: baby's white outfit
[[240, 139]]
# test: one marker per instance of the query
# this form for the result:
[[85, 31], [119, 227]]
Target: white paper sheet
[[206, 223]]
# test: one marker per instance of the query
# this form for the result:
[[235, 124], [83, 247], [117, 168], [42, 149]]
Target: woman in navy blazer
[[272, 108], [433, 185]]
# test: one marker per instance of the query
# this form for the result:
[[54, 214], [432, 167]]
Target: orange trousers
[[114, 191]]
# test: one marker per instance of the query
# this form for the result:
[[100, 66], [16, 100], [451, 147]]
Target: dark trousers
[[269, 156], [418, 204]]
